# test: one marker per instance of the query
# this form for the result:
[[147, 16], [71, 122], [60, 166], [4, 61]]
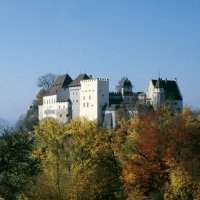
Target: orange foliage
[[161, 142]]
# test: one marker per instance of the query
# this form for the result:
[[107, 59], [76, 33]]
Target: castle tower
[[158, 94], [125, 87], [94, 97], [74, 92]]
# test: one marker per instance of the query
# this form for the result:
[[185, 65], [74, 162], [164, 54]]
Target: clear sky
[[107, 38]]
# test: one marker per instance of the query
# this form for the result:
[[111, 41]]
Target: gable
[[62, 81], [171, 89]]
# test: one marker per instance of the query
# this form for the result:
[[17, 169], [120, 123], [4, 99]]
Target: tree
[[54, 176], [183, 157], [77, 162], [98, 169], [143, 166], [161, 156], [46, 81], [17, 166], [30, 119]]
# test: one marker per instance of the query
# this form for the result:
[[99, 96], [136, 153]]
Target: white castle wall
[[150, 92], [94, 95], [74, 94], [53, 109], [156, 98]]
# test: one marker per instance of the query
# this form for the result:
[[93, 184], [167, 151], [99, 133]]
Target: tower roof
[[170, 87], [61, 81], [77, 81], [159, 83], [125, 82]]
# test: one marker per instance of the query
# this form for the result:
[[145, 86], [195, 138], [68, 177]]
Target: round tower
[[125, 87]]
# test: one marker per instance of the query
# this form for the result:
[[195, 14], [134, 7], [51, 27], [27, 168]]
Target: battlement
[[94, 80], [115, 94]]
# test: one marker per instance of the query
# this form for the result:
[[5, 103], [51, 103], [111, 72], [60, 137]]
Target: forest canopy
[[153, 156]]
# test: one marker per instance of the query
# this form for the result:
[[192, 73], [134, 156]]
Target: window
[[83, 97], [76, 100], [87, 104], [89, 97], [60, 115], [84, 105]]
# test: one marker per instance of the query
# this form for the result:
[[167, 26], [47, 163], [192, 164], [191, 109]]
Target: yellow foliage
[[179, 179], [76, 161]]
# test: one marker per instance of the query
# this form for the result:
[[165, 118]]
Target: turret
[[125, 87]]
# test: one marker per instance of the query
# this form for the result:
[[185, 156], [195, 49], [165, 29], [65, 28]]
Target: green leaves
[[17, 166]]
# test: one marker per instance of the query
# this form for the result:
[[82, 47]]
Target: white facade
[[94, 97], [51, 108], [74, 94], [110, 119], [157, 97], [150, 92], [88, 100]]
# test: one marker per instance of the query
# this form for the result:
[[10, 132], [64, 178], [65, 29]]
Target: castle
[[90, 98]]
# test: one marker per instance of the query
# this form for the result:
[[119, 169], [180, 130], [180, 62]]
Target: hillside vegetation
[[156, 156]]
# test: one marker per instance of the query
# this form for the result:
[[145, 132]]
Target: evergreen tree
[[17, 166]]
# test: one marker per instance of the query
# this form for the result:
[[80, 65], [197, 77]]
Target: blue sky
[[107, 38]]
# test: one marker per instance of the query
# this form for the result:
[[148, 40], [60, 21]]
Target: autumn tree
[[77, 162], [51, 153], [98, 169], [160, 156], [183, 158]]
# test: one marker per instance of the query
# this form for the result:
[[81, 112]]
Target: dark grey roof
[[170, 87], [115, 98], [159, 83], [125, 82], [77, 81], [61, 81]]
